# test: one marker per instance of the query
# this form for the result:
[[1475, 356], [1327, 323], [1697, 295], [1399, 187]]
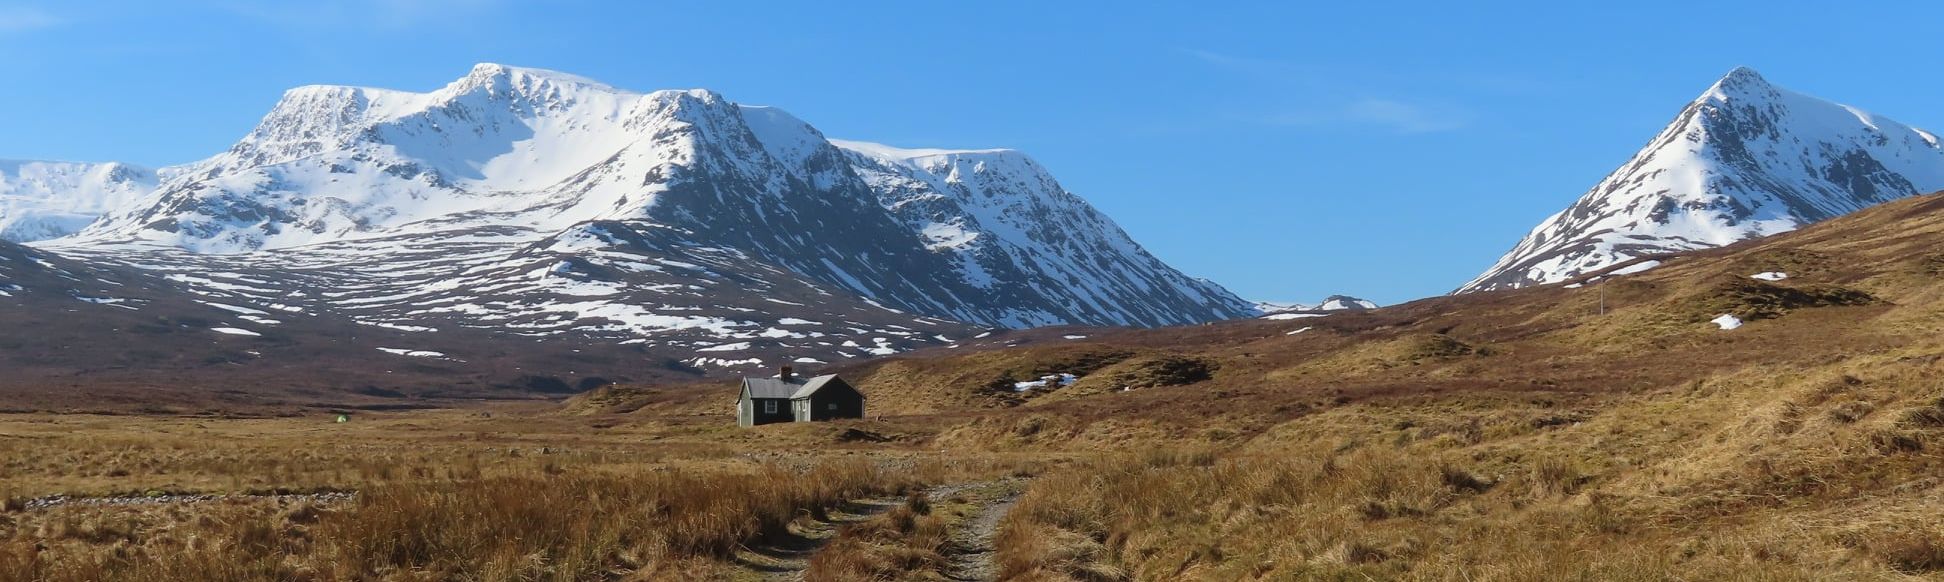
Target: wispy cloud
[[1394, 115], [1407, 117], [404, 13], [1253, 66], [384, 14], [1312, 95], [24, 18]]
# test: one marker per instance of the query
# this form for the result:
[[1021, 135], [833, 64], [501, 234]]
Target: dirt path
[[786, 559], [973, 556], [971, 550]]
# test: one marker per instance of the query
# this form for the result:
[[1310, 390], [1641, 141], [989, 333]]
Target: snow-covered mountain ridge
[[545, 203], [1331, 303], [42, 200], [1746, 159]]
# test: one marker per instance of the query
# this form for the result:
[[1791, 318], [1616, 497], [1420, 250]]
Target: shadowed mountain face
[[717, 235], [1746, 159]]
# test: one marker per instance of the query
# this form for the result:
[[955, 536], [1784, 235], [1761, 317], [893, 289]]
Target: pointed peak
[[1740, 82], [1743, 75]]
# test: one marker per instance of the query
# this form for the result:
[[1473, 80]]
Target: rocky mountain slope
[[1746, 159], [551, 205]]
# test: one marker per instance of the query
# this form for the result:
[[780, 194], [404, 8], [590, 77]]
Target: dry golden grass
[[44, 454], [1766, 473], [907, 543], [452, 495], [568, 526]]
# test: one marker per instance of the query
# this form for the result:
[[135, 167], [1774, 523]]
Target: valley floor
[[435, 495], [1742, 478]]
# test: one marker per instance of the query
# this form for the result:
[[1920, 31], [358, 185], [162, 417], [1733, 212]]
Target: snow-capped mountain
[[543, 203], [1746, 159], [42, 200], [1014, 232], [1331, 303]]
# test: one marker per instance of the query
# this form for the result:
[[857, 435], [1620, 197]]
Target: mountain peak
[[1742, 75], [1742, 82], [501, 79], [1331, 303], [1746, 159], [682, 175]]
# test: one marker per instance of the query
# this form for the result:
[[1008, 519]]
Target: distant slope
[[1746, 159], [1331, 303], [82, 336], [42, 200]]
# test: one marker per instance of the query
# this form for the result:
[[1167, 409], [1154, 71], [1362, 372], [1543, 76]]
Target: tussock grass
[[1754, 474], [907, 543], [542, 526], [1369, 513]]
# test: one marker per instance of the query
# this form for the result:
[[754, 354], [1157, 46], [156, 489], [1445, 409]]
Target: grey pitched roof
[[770, 387], [811, 386], [777, 388]]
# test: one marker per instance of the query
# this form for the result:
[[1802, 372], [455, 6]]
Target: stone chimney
[[787, 373]]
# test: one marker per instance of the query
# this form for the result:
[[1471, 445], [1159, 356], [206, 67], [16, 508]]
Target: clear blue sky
[[1288, 151]]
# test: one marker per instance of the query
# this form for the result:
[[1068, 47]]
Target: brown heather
[[907, 543], [571, 526]]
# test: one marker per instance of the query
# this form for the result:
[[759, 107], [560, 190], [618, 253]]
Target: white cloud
[[23, 18], [403, 13], [1398, 116], [1319, 96], [385, 14], [1407, 117]]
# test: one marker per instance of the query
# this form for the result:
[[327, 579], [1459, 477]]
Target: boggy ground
[[1526, 435]]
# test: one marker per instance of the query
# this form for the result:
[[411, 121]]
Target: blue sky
[[1288, 150]]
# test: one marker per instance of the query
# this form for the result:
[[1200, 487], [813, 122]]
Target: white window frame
[[769, 407]]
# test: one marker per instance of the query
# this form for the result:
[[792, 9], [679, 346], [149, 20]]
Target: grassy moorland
[[438, 496], [1525, 435]]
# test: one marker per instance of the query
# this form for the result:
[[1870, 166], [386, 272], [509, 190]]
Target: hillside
[[1486, 435], [93, 338], [1845, 282]]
